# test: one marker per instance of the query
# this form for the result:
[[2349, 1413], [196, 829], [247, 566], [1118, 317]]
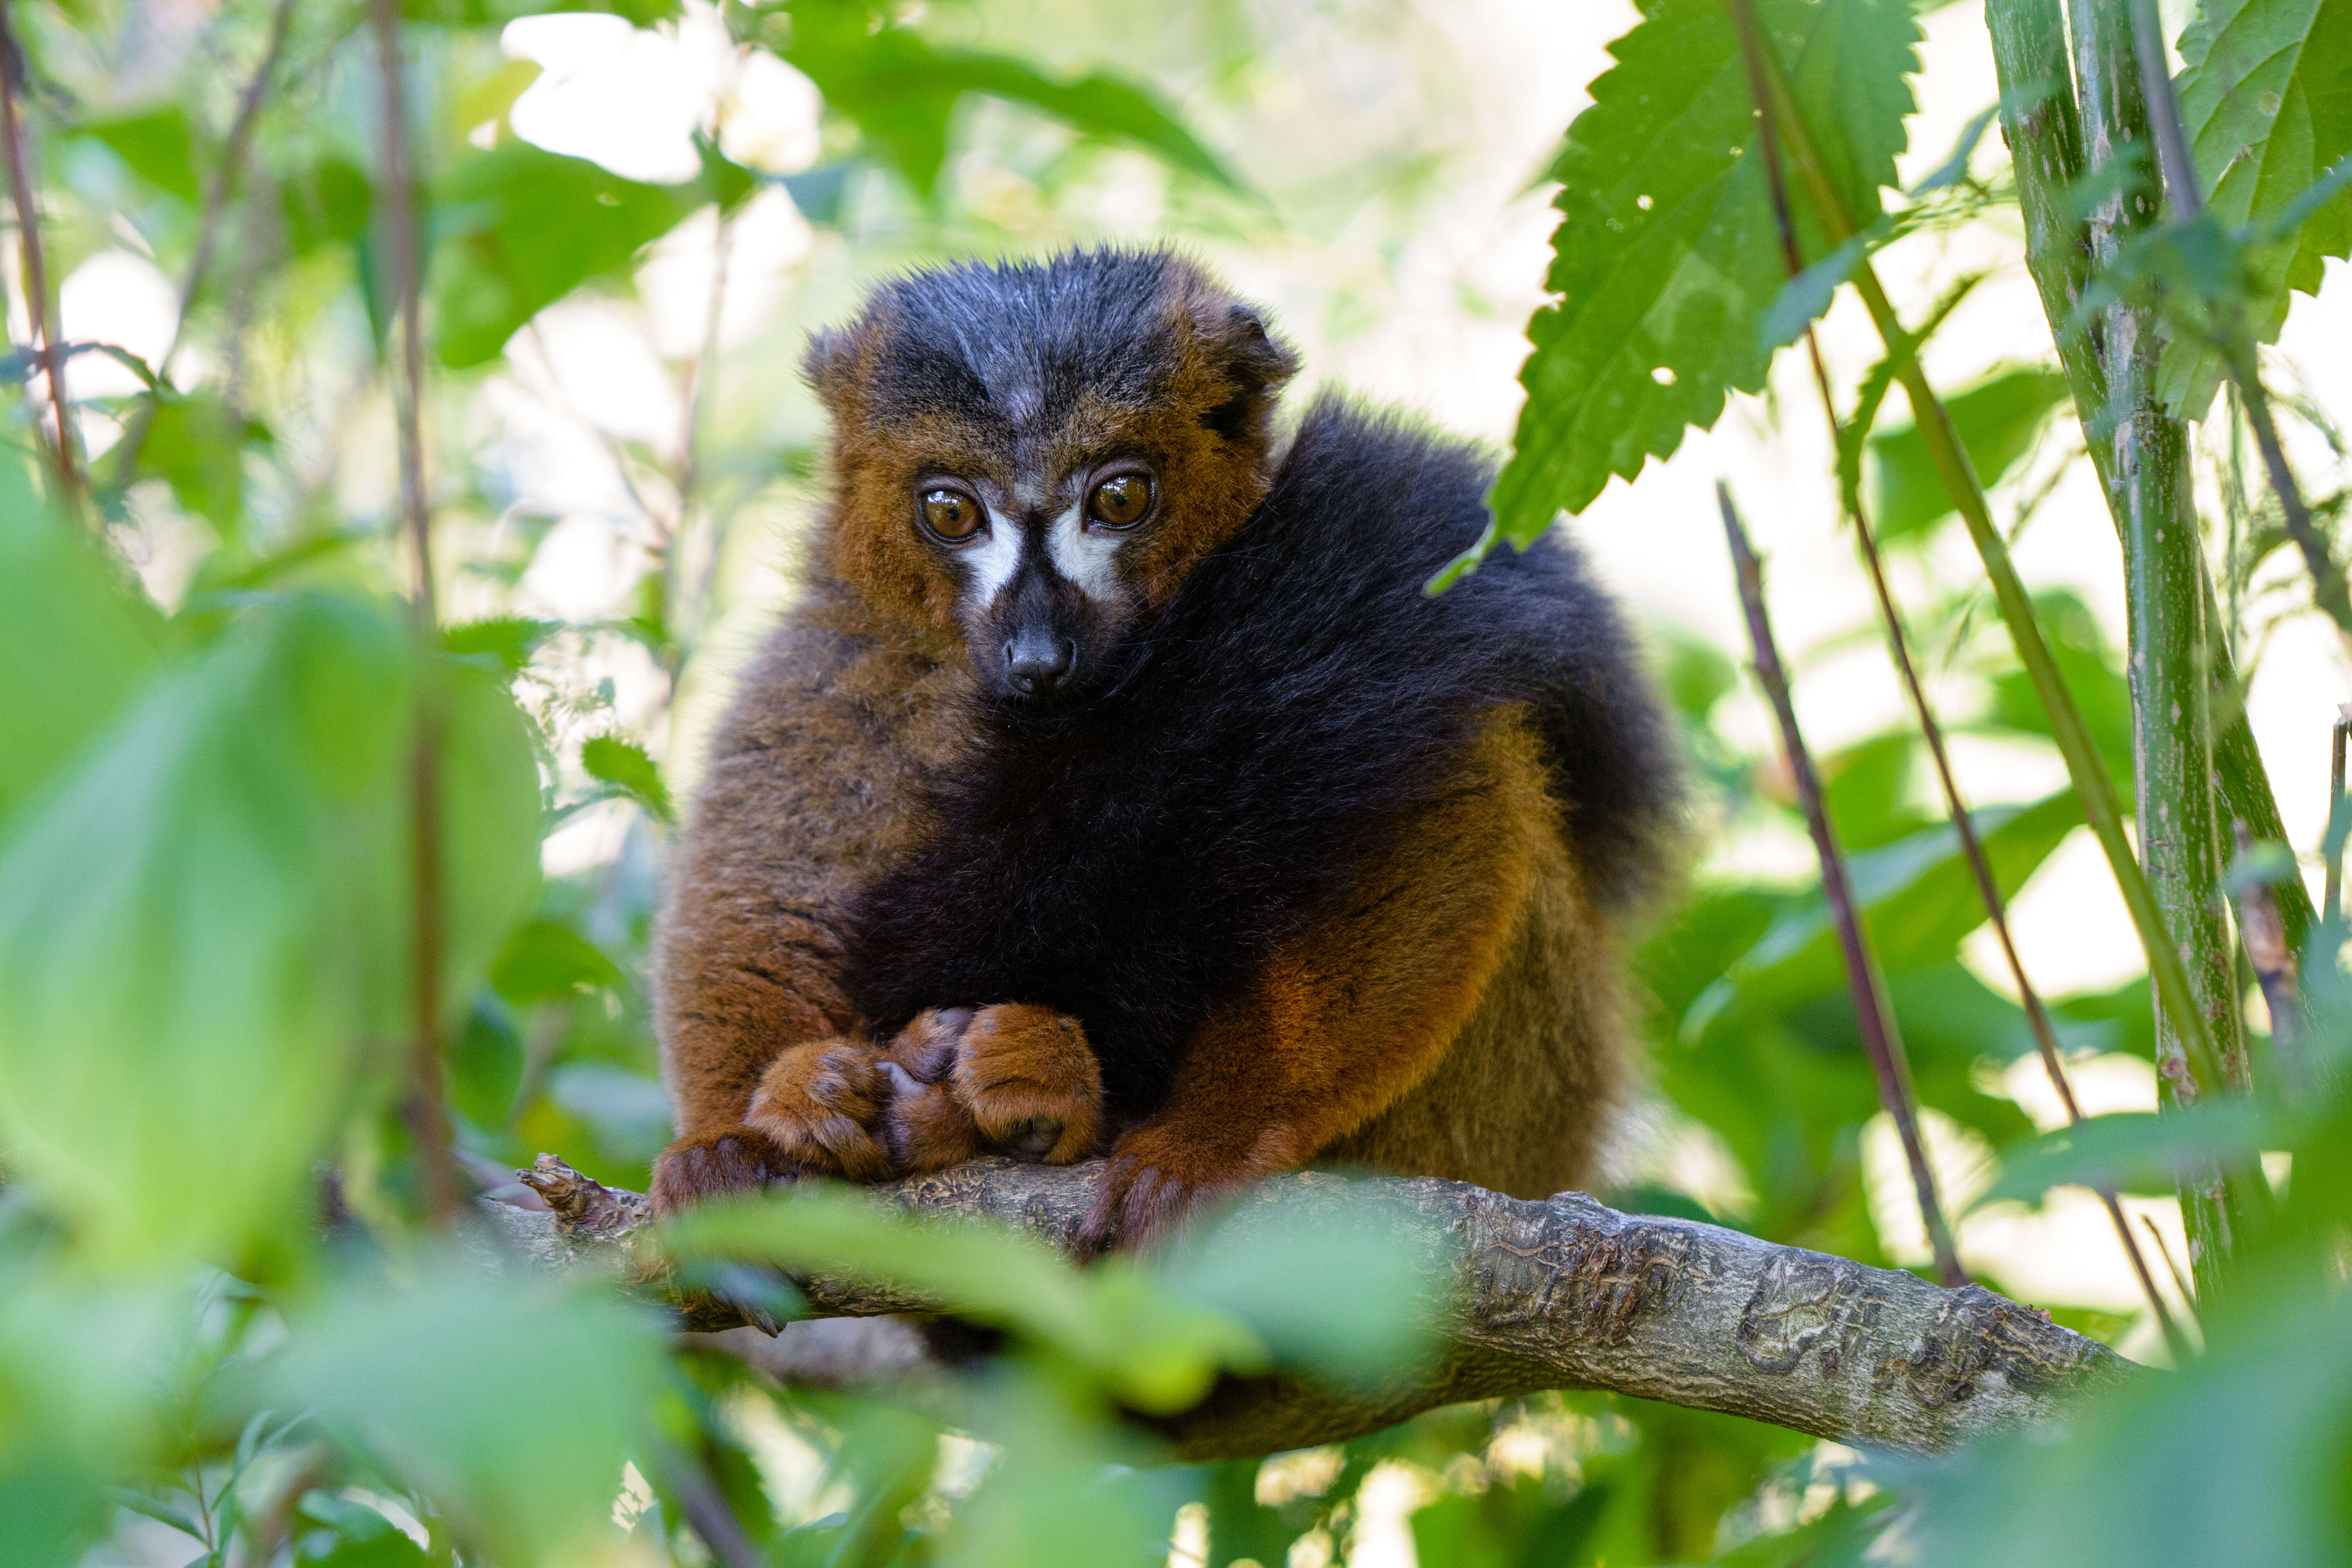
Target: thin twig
[[216, 197], [2171, 1266], [2045, 1037], [1876, 1017], [427, 1115], [2333, 906], [706, 1511], [2264, 935], [40, 309], [2236, 343]]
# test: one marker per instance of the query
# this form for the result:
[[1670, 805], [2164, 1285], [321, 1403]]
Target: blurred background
[[622, 458]]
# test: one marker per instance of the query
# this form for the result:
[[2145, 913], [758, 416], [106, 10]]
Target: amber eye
[[1120, 500], [950, 514]]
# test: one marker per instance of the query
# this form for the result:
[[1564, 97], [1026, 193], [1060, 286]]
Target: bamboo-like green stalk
[[2040, 123], [1898, 647], [1874, 1014], [2180, 842], [2096, 791]]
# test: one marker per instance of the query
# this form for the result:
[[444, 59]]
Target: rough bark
[[1561, 1293]]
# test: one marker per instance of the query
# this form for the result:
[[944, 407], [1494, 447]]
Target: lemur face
[[1033, 456]]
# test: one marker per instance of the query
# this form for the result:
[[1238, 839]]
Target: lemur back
[[1116, 788]]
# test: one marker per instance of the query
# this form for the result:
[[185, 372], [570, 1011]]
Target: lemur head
[[1031, 454]]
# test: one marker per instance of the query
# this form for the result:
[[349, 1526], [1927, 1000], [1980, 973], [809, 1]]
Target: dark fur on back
[[1270, 731]]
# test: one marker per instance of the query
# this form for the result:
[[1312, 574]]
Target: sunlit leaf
[[198, 446], [523, 227], [1917, 898], [2263, 102], [545, 959], [624, 765], [76, 637], [1667, 254], [2131, 1151], [1997, 421], [1153, 1350], [511, 1403], [157, 146], [902, 89]]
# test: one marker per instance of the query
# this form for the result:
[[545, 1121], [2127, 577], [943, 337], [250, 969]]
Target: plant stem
[[2179, 830], [2044, 135], [2162, 117], [216, 198], [40, 309], [428, 1116], [2274, 962], [2335, 889], [1899, 643], [2089, 774], [1876, 1017]]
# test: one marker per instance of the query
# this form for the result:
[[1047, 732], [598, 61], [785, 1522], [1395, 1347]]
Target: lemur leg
[[832, 734], [1011, 1080], [1350, 1016]]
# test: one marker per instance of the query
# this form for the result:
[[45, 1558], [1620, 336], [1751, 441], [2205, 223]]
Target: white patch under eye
[[1085, 559], [990, 563]]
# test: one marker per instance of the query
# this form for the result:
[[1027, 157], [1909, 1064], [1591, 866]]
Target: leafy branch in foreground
[[1519, 1296]]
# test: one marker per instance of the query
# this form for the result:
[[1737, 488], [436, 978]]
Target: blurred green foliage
[[207, 860]]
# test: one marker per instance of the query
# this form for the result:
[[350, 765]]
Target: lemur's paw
[[1154, 1181], [1031, 1083], [822, 1103], [739, 1160], [927, 1128]]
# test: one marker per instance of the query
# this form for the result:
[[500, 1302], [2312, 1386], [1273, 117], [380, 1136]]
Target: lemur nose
[[1036, 661]]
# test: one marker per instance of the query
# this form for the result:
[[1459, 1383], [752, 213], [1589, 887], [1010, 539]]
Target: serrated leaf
[[2264, 104], [1667, 254], [1997, 419], [625, 767]]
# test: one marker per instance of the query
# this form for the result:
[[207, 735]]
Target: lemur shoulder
[[1114, 788]]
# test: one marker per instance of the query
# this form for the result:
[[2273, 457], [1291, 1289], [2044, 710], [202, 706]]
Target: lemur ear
[[829, 362], [1253, 363]]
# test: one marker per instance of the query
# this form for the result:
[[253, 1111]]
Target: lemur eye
[[951, 514], [1120, 500]]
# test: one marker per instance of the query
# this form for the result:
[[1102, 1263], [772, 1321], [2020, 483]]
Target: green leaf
[[1667, 254], [498, 12], [543, 960], [511, 1405], [76, 637], [157, 146], [190, 935], [326, 204], [1918, 899], [198, 929], [624, 765], [1147, 1347], [901, 90], [1997, 420], [521, 227], [2264, 100], [510, 639], [2137, 1151], [198, 445], [2094, 678]]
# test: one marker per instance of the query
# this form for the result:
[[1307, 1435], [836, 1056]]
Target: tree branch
[[1561, 1293]]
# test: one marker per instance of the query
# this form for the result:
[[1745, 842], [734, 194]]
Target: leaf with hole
[[1668, 254]]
